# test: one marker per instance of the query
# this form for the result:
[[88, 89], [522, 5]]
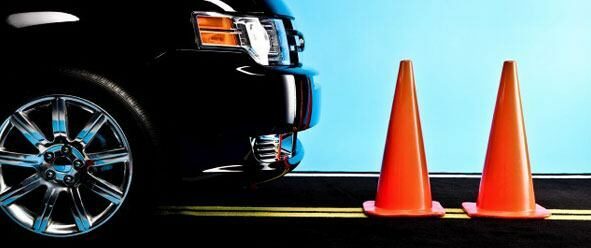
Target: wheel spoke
[[42, 221], [31, 132], [19, 159], [92, 127], [15, 192], [79, 211], [105, 189], [59, 118], [114, 156]]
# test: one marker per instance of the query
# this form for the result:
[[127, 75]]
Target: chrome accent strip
[[27, 19], [235, 168], [291, 98], [243, 70], [224, 6]]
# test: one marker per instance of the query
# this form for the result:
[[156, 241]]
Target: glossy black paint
[[196, 101]]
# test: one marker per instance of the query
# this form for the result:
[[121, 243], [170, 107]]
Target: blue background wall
[[458, 47]]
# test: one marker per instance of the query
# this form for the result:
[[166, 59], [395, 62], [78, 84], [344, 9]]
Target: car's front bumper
[[229, 92]]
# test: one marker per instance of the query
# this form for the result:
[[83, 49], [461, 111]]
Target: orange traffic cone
[[403, 188], [506, 188]]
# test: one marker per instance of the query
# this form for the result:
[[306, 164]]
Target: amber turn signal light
[[215, 23], [218, 38], [217, 31]]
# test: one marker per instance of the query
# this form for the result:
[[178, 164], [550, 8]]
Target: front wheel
[[65, 166]]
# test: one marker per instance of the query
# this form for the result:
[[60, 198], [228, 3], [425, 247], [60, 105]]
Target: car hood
[[276, 7], [264, 7]]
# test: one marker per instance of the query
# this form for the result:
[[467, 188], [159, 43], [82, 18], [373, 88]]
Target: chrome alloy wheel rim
[[73, 178]]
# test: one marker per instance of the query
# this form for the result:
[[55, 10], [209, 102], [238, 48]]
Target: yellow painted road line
[[330, 212], [570, 211], [265, 209], [455, 216], [332, 209], [280, 209], [358, 215], [265, 214], [248, 214], [454, 210], [570, 217]]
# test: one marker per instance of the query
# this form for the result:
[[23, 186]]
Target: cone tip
[[405, 65], [510, 62], [510, 67]]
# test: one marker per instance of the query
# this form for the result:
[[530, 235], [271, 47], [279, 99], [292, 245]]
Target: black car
[[105, 102]]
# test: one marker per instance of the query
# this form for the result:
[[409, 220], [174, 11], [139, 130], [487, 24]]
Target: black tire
[[130, 219]]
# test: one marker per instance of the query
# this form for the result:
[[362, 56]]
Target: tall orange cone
[[506, 187], [403, 188]]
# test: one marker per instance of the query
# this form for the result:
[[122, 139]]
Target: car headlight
[[265, 39]]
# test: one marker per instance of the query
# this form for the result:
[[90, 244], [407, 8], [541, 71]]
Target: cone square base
[[369, 208], [474, 212]]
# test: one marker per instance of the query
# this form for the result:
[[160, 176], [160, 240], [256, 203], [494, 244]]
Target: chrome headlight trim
[[264, 39]]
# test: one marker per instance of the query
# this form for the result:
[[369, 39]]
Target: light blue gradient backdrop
[[458, 47]]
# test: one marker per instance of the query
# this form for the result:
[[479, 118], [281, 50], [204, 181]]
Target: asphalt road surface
[[325, 211]]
